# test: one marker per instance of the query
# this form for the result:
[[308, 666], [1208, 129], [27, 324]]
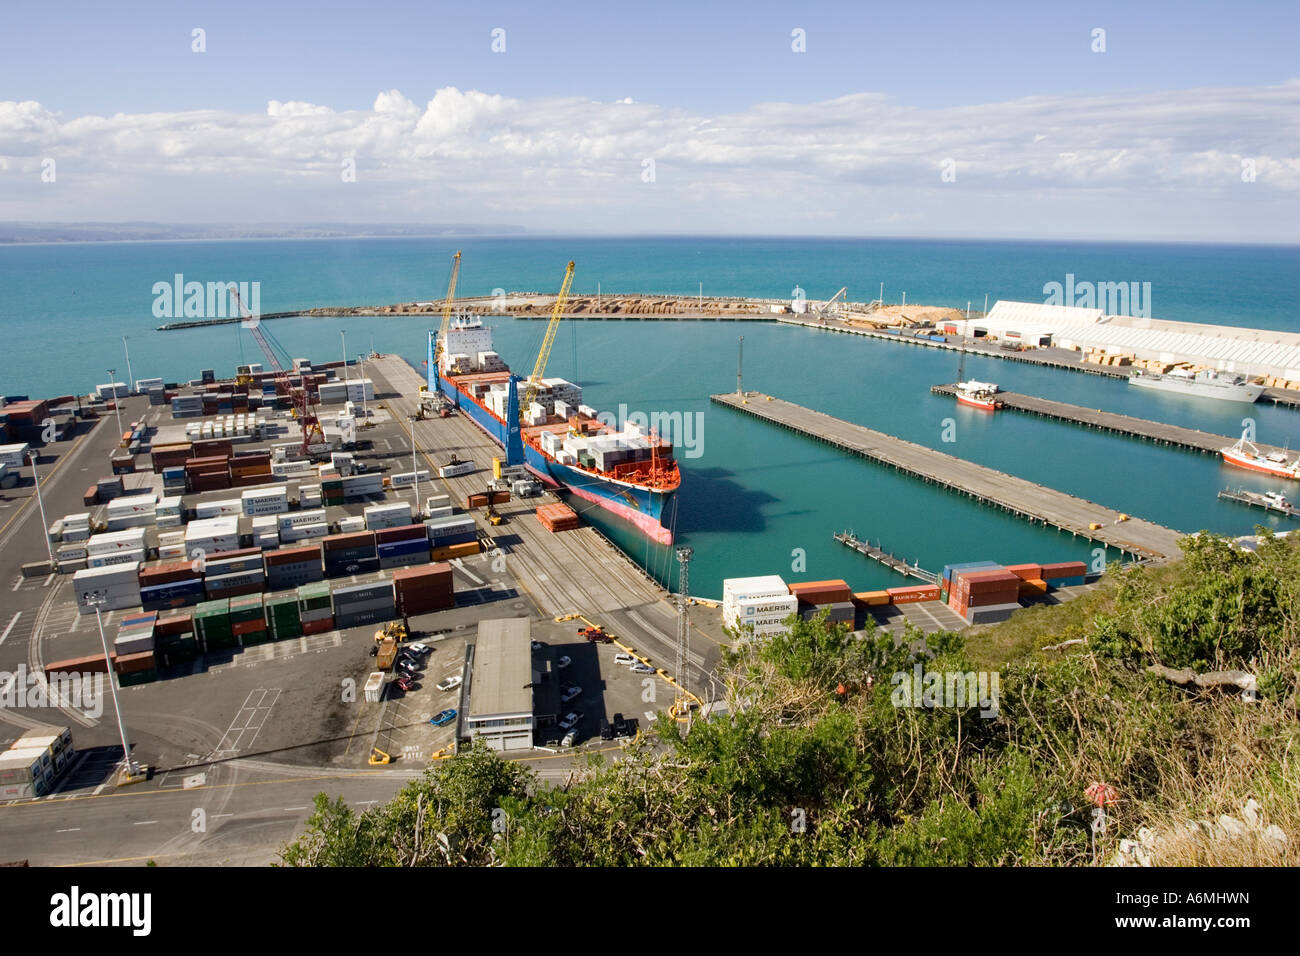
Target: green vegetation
[[815, 765]]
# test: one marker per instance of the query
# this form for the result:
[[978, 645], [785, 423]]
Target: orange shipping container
[[871, 598], [914, 594], [1026, 572]]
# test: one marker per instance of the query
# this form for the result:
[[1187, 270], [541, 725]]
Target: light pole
[[365, 406], [344, 339], [127, 762], [130, 379], [31, 456], [415, 473], [112, 382]]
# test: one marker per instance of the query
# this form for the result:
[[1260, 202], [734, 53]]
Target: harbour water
[[756, 499]]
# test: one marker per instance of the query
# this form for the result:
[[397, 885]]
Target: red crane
[[303, 408]]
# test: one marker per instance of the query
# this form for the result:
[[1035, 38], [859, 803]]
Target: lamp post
[[130, 379], [128, 764], [112, 382], [415, 473], [31, 456], [365, 406]]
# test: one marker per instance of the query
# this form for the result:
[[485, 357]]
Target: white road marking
[[297, 808], [48, 580], [218, 816], [69, 830], [12, 622], [143, 823], [17, 585]]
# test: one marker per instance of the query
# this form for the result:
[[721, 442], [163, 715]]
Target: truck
[[387, 654]]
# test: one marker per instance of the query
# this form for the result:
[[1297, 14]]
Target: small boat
[[1245, 454], [978, 395], [1268, 500]]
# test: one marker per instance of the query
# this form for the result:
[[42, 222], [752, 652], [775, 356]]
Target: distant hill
[[142, 231]]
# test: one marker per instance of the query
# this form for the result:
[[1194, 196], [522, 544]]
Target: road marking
[[218, 816], [12, 622], [297, 808], [69, 830], [143, 823], [17, 585]]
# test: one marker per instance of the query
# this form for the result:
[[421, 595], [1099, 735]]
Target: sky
[[1039, 120]]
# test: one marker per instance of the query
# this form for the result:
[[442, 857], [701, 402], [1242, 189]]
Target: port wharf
[[866, 548], [1142, 540], [1189, 439]]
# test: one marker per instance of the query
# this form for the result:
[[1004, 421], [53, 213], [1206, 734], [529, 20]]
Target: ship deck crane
[[447, 303], [303, 409], [544, 354]]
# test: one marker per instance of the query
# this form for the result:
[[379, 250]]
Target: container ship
[[1204, 384], [629, 472], [1244, 454]]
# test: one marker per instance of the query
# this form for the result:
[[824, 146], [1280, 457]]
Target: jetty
[[1144, 541], [1256, 500], [866, 548], [1176, 436]]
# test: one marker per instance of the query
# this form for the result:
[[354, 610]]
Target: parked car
[[449, 682], [624, 658], [405, 682], [562, 663], [443, 717], [412, 659], [570, 738], [421, 649], [538, 645], [639, 668], [595, 634], [606, 729], [571, 693], [571, 720]]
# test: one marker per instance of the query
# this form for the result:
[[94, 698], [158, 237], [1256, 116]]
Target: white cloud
[[844, 165]]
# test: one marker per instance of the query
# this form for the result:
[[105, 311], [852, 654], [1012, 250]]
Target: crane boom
[[447, 303], [539, 369], [255, 330]]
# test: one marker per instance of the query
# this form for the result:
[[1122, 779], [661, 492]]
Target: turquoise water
[[756, 493]]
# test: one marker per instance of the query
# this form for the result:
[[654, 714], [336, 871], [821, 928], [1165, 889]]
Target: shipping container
[[913, 594], [822, 592]]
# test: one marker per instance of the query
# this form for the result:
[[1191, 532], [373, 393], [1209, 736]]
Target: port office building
[[501, 692]]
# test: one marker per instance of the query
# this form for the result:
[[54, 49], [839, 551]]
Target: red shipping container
[[91, 496], [248, 627], [253, 588], [913, 594], [134, 663], [987, 581], [292, 555], [167, 573], [174, 624], [353, 539], [92, 664], [406, 532], [1063, 569], [318, 627], [822, 592], [994, 597], [1026, 572]]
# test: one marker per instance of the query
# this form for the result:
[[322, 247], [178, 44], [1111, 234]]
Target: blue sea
[[756, 500]]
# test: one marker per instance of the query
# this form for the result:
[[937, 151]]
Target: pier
[[1256, 500], [1189, 439], [866, 548], [1143, 540]]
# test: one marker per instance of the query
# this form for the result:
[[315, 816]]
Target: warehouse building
[[501, 693], [1253, 352]]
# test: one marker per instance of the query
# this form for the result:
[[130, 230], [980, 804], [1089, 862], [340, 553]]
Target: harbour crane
[[539, 369], [827, 310], [303, 409], [447, 303]]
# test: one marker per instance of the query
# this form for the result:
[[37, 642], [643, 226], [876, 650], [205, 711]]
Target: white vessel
[[1204, 384], [1245, 454], [978, 395]]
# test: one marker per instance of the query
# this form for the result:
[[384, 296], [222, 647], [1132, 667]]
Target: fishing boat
[[1245, 454]]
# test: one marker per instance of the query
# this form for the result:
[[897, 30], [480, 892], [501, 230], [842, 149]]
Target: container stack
[[174, 640], [438, 506], [168, 586], [116, 547], [248, 620], [762, 603], [170, 455], [361, 486], [557, 517], [984, 595], [451, 529], [234, 574], [76, 528], [24, 418], [394, 515], [207, 474], [293, 567], [133, 651], [15, 456], [1064, 573], [282, 621], [424, 589], [167, 514], [300, 525], [357, 604], [331, 491], [108, 488], [212, 626], [835, 597], [212, 535], [266, 532], [349, 554], [218, 509], [174, 479], [265, 501], [133, 511], [171, 545], [402, 546], [187, 406], [315, 609], [250, 468]]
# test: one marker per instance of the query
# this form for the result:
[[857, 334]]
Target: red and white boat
[[978, 395], [1245, 454]]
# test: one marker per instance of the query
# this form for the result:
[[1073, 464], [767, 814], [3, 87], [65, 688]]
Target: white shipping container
[[171, 552], [132, 504], [743, 589], [350, 524], [452, 471], [437, 501], [215, 509], [169, 521], [212, 527], [76, 534], [131, 521], [72, 552], [405, 479], [302, 531], [131, 539], [117, 557], [300, 518], [169, 505], [15, 456], [375, 686], [439, 512]]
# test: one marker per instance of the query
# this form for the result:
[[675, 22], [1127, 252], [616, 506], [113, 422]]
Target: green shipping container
[[285, 631], [246, 608], [314, 596], [253, 638]]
